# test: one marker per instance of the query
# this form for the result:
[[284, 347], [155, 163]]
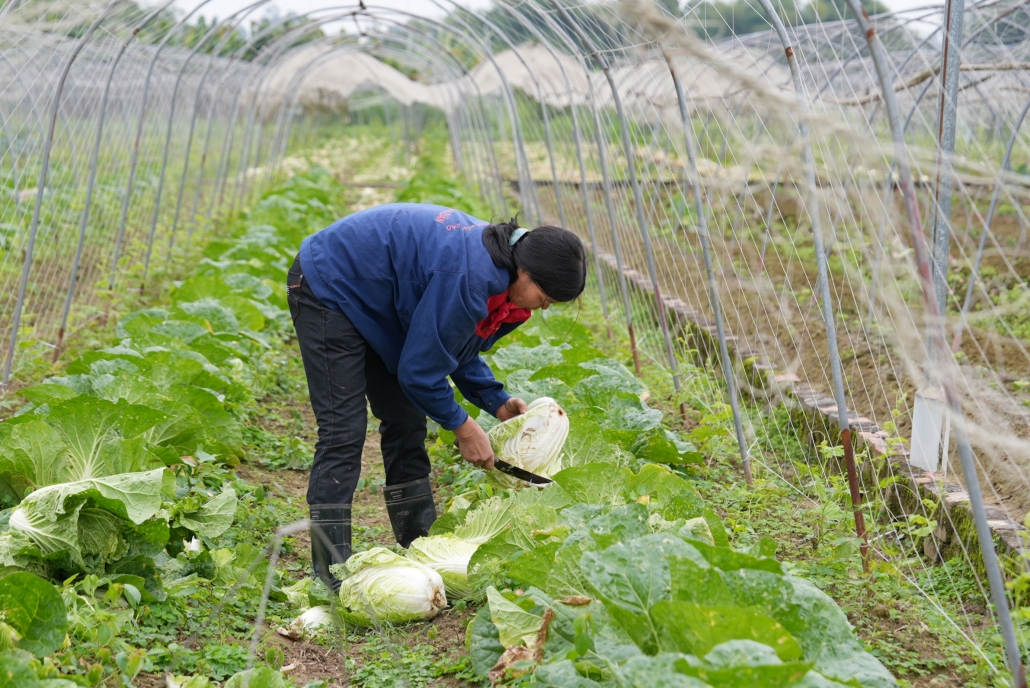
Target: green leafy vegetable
[[213, 518], [532, 441], [33, 610], [380, 586], [47, 522], [515, 625], [449, 556]]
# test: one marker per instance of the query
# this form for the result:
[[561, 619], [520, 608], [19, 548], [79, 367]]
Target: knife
[[520, 473]]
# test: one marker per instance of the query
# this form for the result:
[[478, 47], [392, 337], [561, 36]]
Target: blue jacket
[[409, 268]]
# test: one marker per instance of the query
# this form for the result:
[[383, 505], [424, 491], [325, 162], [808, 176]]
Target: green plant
[[432, 183], [561, 570], [380, 587]]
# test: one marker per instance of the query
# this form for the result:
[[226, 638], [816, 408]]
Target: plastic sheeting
[[314, 73]]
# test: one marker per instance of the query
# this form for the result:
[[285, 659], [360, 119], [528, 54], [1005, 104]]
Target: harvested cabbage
[[379, 586], [449, 556], [313, 619], [532, 441]]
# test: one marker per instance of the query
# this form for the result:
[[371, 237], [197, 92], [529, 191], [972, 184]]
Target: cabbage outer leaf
[[449, 556], [485, 521], [515, 626]]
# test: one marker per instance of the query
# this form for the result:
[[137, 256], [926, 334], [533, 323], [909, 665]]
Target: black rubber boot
[[411, 509], [330, 539]]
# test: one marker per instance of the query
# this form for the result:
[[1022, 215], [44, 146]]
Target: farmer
[[389, 302]]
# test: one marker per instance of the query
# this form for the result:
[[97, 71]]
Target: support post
[[946, 113], [823, 286], [944, 359], [645, 233], [583, 183], [616, 244], [713, 290], [134, 157], [1006, 165], [91, 183]]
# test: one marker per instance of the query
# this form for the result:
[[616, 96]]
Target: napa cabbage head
[[81, 520], [532, 441], [449, 556], [379, 586]]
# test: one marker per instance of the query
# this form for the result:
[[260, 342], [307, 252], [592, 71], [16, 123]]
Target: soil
[[371, 527]]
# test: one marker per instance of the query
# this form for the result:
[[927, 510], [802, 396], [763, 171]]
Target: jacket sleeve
[[440, 325], [477, 383]]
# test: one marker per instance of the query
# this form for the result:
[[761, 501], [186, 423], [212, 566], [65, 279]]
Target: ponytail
[[497, 239], [553, 257]]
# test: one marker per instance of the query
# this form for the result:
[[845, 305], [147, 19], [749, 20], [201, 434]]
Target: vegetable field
[[149, 477], [787, 423]]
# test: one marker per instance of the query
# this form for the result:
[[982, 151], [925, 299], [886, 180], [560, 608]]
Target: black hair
[[553, 256]]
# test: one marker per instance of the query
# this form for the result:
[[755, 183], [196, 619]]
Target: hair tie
[[516, 235]]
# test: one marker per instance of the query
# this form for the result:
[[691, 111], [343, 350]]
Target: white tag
[[927, 425]]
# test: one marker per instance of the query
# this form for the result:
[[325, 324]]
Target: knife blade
[[520, 473]]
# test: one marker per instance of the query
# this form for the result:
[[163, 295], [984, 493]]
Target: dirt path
[[359, 658]]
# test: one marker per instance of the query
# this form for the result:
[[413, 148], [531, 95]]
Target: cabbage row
[[107, 473], [619, 573], [616, 574]]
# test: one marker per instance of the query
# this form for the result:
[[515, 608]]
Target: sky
[[224, 8]]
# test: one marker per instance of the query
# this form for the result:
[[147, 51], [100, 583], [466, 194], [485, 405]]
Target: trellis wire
[[812, 173]]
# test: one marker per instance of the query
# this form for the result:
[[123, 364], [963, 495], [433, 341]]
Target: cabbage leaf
[[449, 556], [34, 610], [515, 625]]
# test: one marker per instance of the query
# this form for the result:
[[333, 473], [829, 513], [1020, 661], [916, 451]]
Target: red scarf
[[499, 311]]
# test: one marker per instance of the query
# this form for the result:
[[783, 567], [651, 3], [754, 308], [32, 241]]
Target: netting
[[834, 213]]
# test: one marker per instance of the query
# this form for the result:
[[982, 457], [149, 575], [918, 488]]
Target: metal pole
[[945, 360], [583, 183], [41, 190], [296, 80], [509, 95], [189, 138], [200, 171], [829, 317], [274, 48], [713, 290], [609, 203], [240, 188], [164, 155], [947, 111], [638, 200], [186, 162], [294, 84], [458, 103], [210, 126], [546, 119], [235, 17], [200, 86]]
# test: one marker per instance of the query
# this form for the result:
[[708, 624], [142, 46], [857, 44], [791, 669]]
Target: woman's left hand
[[511, 408]]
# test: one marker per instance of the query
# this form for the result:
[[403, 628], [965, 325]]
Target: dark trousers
[[342, 370]]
